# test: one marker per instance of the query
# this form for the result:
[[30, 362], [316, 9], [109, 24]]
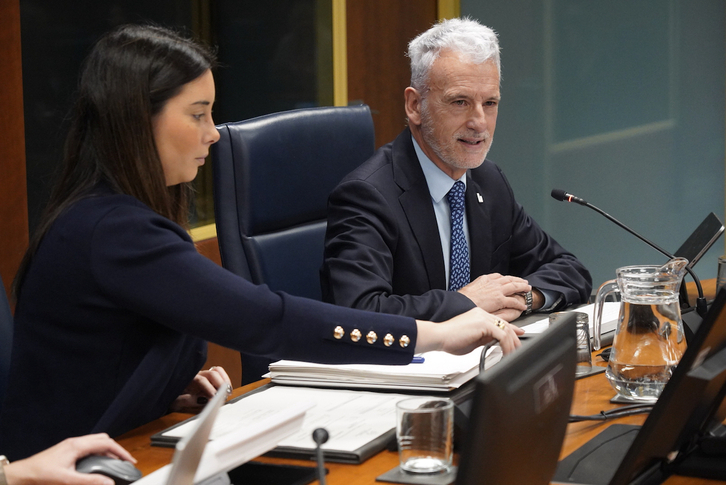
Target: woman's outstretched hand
[[465, 332]]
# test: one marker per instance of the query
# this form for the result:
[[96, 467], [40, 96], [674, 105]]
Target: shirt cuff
[[551, 300]]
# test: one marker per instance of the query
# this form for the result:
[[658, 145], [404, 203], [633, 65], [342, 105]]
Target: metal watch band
[[528, 301]]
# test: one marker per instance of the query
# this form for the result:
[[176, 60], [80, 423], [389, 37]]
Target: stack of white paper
[[359, 423], [439, 371]]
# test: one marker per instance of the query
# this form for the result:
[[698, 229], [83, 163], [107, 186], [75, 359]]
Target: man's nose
[[478, 119]]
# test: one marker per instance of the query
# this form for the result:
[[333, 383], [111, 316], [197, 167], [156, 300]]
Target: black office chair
[[6, 340], [272, 178]]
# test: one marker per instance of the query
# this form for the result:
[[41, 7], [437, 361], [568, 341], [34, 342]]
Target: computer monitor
[[520, 411], [689, 407], [701, 239], [693, 248]]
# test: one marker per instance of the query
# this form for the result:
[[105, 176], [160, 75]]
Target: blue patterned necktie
[[459, 261]]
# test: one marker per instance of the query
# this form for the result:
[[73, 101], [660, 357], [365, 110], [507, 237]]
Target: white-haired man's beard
[[446, 151]]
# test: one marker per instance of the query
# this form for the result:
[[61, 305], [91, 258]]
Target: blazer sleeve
[[542, 261], [547, 265], [147, 264], [369, 264]]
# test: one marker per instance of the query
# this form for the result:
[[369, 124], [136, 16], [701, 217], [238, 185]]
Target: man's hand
[[510, 314], [500, 295]]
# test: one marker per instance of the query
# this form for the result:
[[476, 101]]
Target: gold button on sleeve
[[404, 341], [371, 337], [355, 335], [388, 340], [338, 332]]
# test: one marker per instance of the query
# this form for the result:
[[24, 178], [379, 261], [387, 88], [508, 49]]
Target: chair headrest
[[285, 165]]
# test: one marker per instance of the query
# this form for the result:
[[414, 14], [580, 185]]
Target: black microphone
[[563, 196], [701, 305], [320, 436]]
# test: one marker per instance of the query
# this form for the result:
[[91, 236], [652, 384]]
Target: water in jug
[[649, 339]]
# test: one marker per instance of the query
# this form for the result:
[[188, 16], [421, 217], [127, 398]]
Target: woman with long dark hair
[[114, 304]]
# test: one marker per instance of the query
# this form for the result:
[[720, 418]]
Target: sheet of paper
[[352, 418], [439, 371], [237, 446], [421, 376]]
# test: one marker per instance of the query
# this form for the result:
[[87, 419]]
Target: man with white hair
[[429, 228]]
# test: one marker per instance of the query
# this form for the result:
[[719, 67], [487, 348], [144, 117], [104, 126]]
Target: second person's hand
[[467, 331], [201, 390]]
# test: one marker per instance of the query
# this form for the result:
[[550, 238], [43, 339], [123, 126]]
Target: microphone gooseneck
[[320, 436], [561, 195]]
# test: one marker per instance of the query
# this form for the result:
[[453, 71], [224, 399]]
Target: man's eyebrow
[[460, 95], [457, 95]]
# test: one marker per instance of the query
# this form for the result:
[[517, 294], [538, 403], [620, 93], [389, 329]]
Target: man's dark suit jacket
[[383, 250]]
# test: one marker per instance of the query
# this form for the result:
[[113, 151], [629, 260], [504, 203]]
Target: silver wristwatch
[[528, 301]]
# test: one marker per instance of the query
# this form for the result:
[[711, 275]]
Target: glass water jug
[[649, 339]]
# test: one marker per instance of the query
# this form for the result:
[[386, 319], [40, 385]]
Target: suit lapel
[[479, 222], [416, 203]]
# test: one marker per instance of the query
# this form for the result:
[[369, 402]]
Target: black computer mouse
[[122, 472]]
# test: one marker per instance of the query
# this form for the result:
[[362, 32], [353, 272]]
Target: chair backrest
[[272, 178], [6, 340]]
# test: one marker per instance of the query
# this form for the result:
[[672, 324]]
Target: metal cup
[[721, 276], [584, 350], [584, 347]]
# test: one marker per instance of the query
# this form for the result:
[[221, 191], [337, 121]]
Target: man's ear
[[413, 105]]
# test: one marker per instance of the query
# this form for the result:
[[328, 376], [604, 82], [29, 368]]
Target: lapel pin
[[480, 198]]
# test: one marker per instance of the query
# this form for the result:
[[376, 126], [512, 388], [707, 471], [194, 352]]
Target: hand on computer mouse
[[120, 471], [57, 464]]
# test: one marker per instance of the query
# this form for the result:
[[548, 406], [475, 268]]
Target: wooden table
[[592, 395]]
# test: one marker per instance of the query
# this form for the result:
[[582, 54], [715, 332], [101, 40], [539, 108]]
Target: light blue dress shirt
[[439, 185]]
